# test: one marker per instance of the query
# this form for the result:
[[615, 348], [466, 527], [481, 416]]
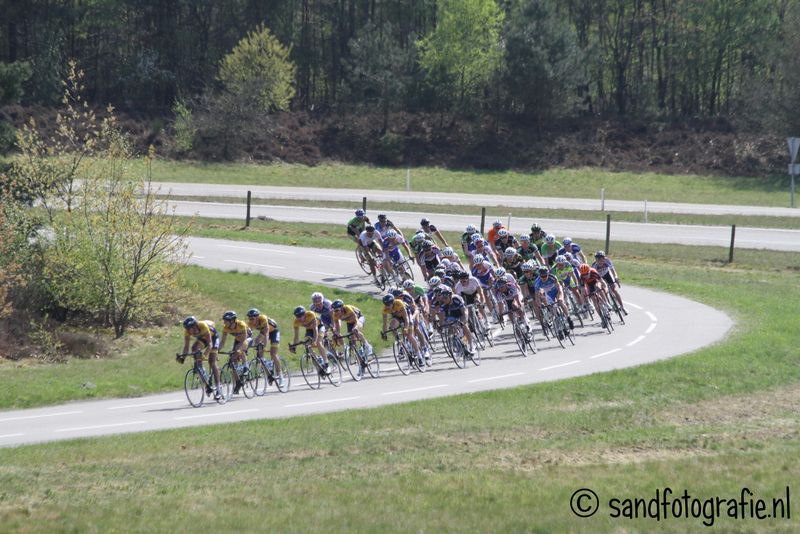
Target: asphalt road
[[684, 234], [659, 326], [464, 199]]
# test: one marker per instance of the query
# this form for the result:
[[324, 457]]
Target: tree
[[464, 51], [259, 68]]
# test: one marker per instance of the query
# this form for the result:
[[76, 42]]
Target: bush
[[184, 127], [8, 137], [391, 148]]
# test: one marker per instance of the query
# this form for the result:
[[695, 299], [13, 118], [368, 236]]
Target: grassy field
[[143, 362], [577, 183], [711, 422]]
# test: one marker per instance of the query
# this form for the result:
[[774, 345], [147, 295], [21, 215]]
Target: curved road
[[682, 234], [659, 326]]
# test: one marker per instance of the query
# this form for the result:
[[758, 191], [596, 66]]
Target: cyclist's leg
[[274, 342]]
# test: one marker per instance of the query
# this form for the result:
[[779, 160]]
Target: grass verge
[[711, 422], [143, 362]]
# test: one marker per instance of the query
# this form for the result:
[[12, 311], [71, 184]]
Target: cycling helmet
[[408, 284], [448, 251], [470, 229], [448, 281], [388, 298], [391, 234], [500, 272], [550, 239], [497, 223], [501, 281], [424, 222], [315, 296], [369, 228], [502, 232], [478, 258], [566, 241], [190, 321], [337, 304], [253, 312], [584, 268], [229, 316], [524, 238], [417, 237], [446, 262], [381, 216], [543, 271], [599, 254], [527, 267], [397, 292], [434, 281], [476, 237], [568, 255], [427, 244], [360, 212], [561, 259], [510, 252], [486, 264], [444, 290], [299, 311], [462, 275], [536, 228]]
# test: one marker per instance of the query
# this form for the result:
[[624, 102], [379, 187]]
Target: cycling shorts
[[469, 299], [609, 280], [360, 322], [214, 341]]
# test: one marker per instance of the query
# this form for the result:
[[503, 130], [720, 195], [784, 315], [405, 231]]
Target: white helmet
[[500, 272], [408, 284], [502, 232], [476, 237], [497, 223], [550, 239], [316, 296], [448, 251], [510, 252], [434, 281], [391, 234], [478, 258], [470, 229]]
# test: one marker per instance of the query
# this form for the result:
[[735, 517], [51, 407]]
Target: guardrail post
[[508, 225], [247, 220], [408, 179], [483, 219], [645, 211], [364, 203], [733, 237], [603, 199], [608, 231]]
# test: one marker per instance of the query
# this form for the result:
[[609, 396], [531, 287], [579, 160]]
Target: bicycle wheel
[[573, 307], [225, 384], [310, 370], [408, 270], [352, 362], [362, 260], [258, 376], [285, 384], [373, 364], [476, 353], [605, 319], [335, 371], [402, 358], [616, 307], [519, 337], [458, 350], [558, 325], [249, 382], [194, 387]]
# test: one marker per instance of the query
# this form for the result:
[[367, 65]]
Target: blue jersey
[[382, 228], [572, 248], [324, 311], [549, 286], [603, 269]]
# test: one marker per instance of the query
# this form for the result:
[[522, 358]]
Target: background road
[[684, 234], [463, 199], [659, 326]]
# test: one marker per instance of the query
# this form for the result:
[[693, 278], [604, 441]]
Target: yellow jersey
[[239, 329], [348, 314], [395, 309], [206, 328], [309, 321], [263, 322]]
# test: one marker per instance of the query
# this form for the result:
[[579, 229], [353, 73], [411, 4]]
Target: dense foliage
[[635, 58]]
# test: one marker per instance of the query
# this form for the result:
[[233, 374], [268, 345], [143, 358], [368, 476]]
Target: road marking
[[559, 365], [323, 274], [335, 257], [493, 378], [604, 353], [635, 341], [145, 404], [196, 257], [260, 249], [413, 390], [78, 428], [652, 317], [650, 328], [11, 436], [256, 264], [215, 414], [320, 402], [23, 417], [632, 305]]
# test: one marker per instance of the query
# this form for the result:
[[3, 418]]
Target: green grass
[[143, 362], [578, 183], [710, 422]]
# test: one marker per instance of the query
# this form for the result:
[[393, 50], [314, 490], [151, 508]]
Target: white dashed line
[[635, 341], [650, 328], [146, 404], [260, 249], [493, 378], [215, 414], [604, 353], [320, 402], [11, 436], [651, 316], [323, 274], [79, 428], [632, 305], [196, 257], [335, 257], [256, 264], [22, 418], [413, 390], [559, 365]]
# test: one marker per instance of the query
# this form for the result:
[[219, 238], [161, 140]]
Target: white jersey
[[469, 288], [366, 240]]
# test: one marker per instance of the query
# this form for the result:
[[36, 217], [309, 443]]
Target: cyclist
[[419, 294], [528, 282], [267, 328], [455, 310], [469, 288], [572, 248], [482, 247], [491, 236], [527, 250], [466, 238], [384, 224], [594, 287], [549, 292], [512, 261], [368, 240], [429, 258], [504, 240], [206, 343], [431, 231], [508, 296], [391, 250], [322, 308], [565, 273], [606, 269], [549, 250], [401, 317], [309, 320], [357, 224], [242, 338], [354, 320], [414, 313], [450, 254], [537, 235]]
